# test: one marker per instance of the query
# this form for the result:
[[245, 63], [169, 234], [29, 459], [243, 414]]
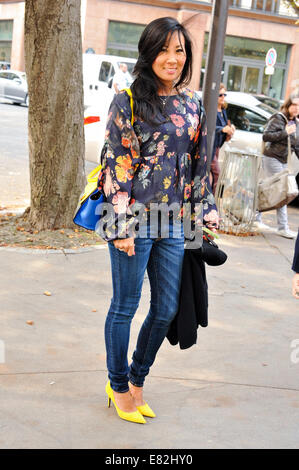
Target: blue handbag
[[88, 212]]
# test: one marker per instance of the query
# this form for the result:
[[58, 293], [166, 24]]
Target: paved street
[[238, 387], [14, 166], [14, 159]]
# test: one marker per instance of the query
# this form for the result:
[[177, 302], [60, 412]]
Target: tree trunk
[[53, 56]]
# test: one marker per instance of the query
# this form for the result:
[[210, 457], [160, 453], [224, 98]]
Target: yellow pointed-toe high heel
[[146, 410], [134, 417]]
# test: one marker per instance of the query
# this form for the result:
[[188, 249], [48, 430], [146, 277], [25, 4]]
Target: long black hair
[[147, 104]]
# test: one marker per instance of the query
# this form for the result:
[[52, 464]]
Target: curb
[[37, 251]]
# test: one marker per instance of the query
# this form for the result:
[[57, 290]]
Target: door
[[16, 88], [243, 77], [251, 84], [234, 78]]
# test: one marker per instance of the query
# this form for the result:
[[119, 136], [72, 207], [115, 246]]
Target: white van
[[98, 73]]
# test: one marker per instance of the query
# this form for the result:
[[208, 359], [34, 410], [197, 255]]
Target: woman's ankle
[[137, 394]]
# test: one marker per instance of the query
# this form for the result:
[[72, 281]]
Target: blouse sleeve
[[120, 161], [202, 191]]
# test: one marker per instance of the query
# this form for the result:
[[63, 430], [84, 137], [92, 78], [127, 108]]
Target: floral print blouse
[[146, 164]]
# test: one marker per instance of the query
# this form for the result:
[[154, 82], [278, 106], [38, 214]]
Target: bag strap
[[93, 175], [285, 118], [289, 160], [129, 92]]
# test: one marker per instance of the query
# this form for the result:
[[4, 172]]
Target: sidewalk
[[237, 388]]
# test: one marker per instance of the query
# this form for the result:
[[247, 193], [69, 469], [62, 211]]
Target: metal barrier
[[236, 192]]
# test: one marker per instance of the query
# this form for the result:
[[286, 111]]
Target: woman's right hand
[[125, 244], [291, 128]]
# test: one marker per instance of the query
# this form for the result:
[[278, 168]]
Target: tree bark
[[53, 57]]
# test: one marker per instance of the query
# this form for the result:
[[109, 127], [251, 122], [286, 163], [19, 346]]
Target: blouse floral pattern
[[146, 164]]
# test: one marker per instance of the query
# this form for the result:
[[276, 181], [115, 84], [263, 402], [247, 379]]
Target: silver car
[[250, 117], [13, 86]]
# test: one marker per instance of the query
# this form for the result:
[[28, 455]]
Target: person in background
[[224, 131], [277, 131], [295, 267], [122, 79], [159, 158]]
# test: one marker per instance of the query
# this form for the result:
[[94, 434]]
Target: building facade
[[114, 27]]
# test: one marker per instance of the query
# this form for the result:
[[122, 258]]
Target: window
[[266, 5], [105, 71], [270, 6], [4, 75], [123, 39], [11, 76], [250, 48], [245, 119], [6, 27]]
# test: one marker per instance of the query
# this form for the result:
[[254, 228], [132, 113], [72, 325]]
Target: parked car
[[13, 86], [269, 101], [249, 116]]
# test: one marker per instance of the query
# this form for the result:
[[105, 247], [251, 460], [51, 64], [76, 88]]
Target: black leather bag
[[211, 254]]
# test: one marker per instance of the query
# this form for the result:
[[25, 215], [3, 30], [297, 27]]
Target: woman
[[223, 132], [148, 163], [280, 127]]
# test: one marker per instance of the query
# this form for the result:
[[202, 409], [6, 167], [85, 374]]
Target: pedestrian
[[122, 78], [224, 131], [160, 159], [295, 267], [280, 127]]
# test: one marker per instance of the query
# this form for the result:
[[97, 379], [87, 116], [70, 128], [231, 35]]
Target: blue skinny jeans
[[163, 260]]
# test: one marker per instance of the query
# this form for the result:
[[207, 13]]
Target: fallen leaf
[[47, 293], [94, 310], [30, 322]]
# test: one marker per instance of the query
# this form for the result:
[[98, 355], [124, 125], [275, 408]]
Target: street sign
[[271, 57], [270, 60], [269, 70]]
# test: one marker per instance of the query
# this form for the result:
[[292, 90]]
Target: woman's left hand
[[126, 244]]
